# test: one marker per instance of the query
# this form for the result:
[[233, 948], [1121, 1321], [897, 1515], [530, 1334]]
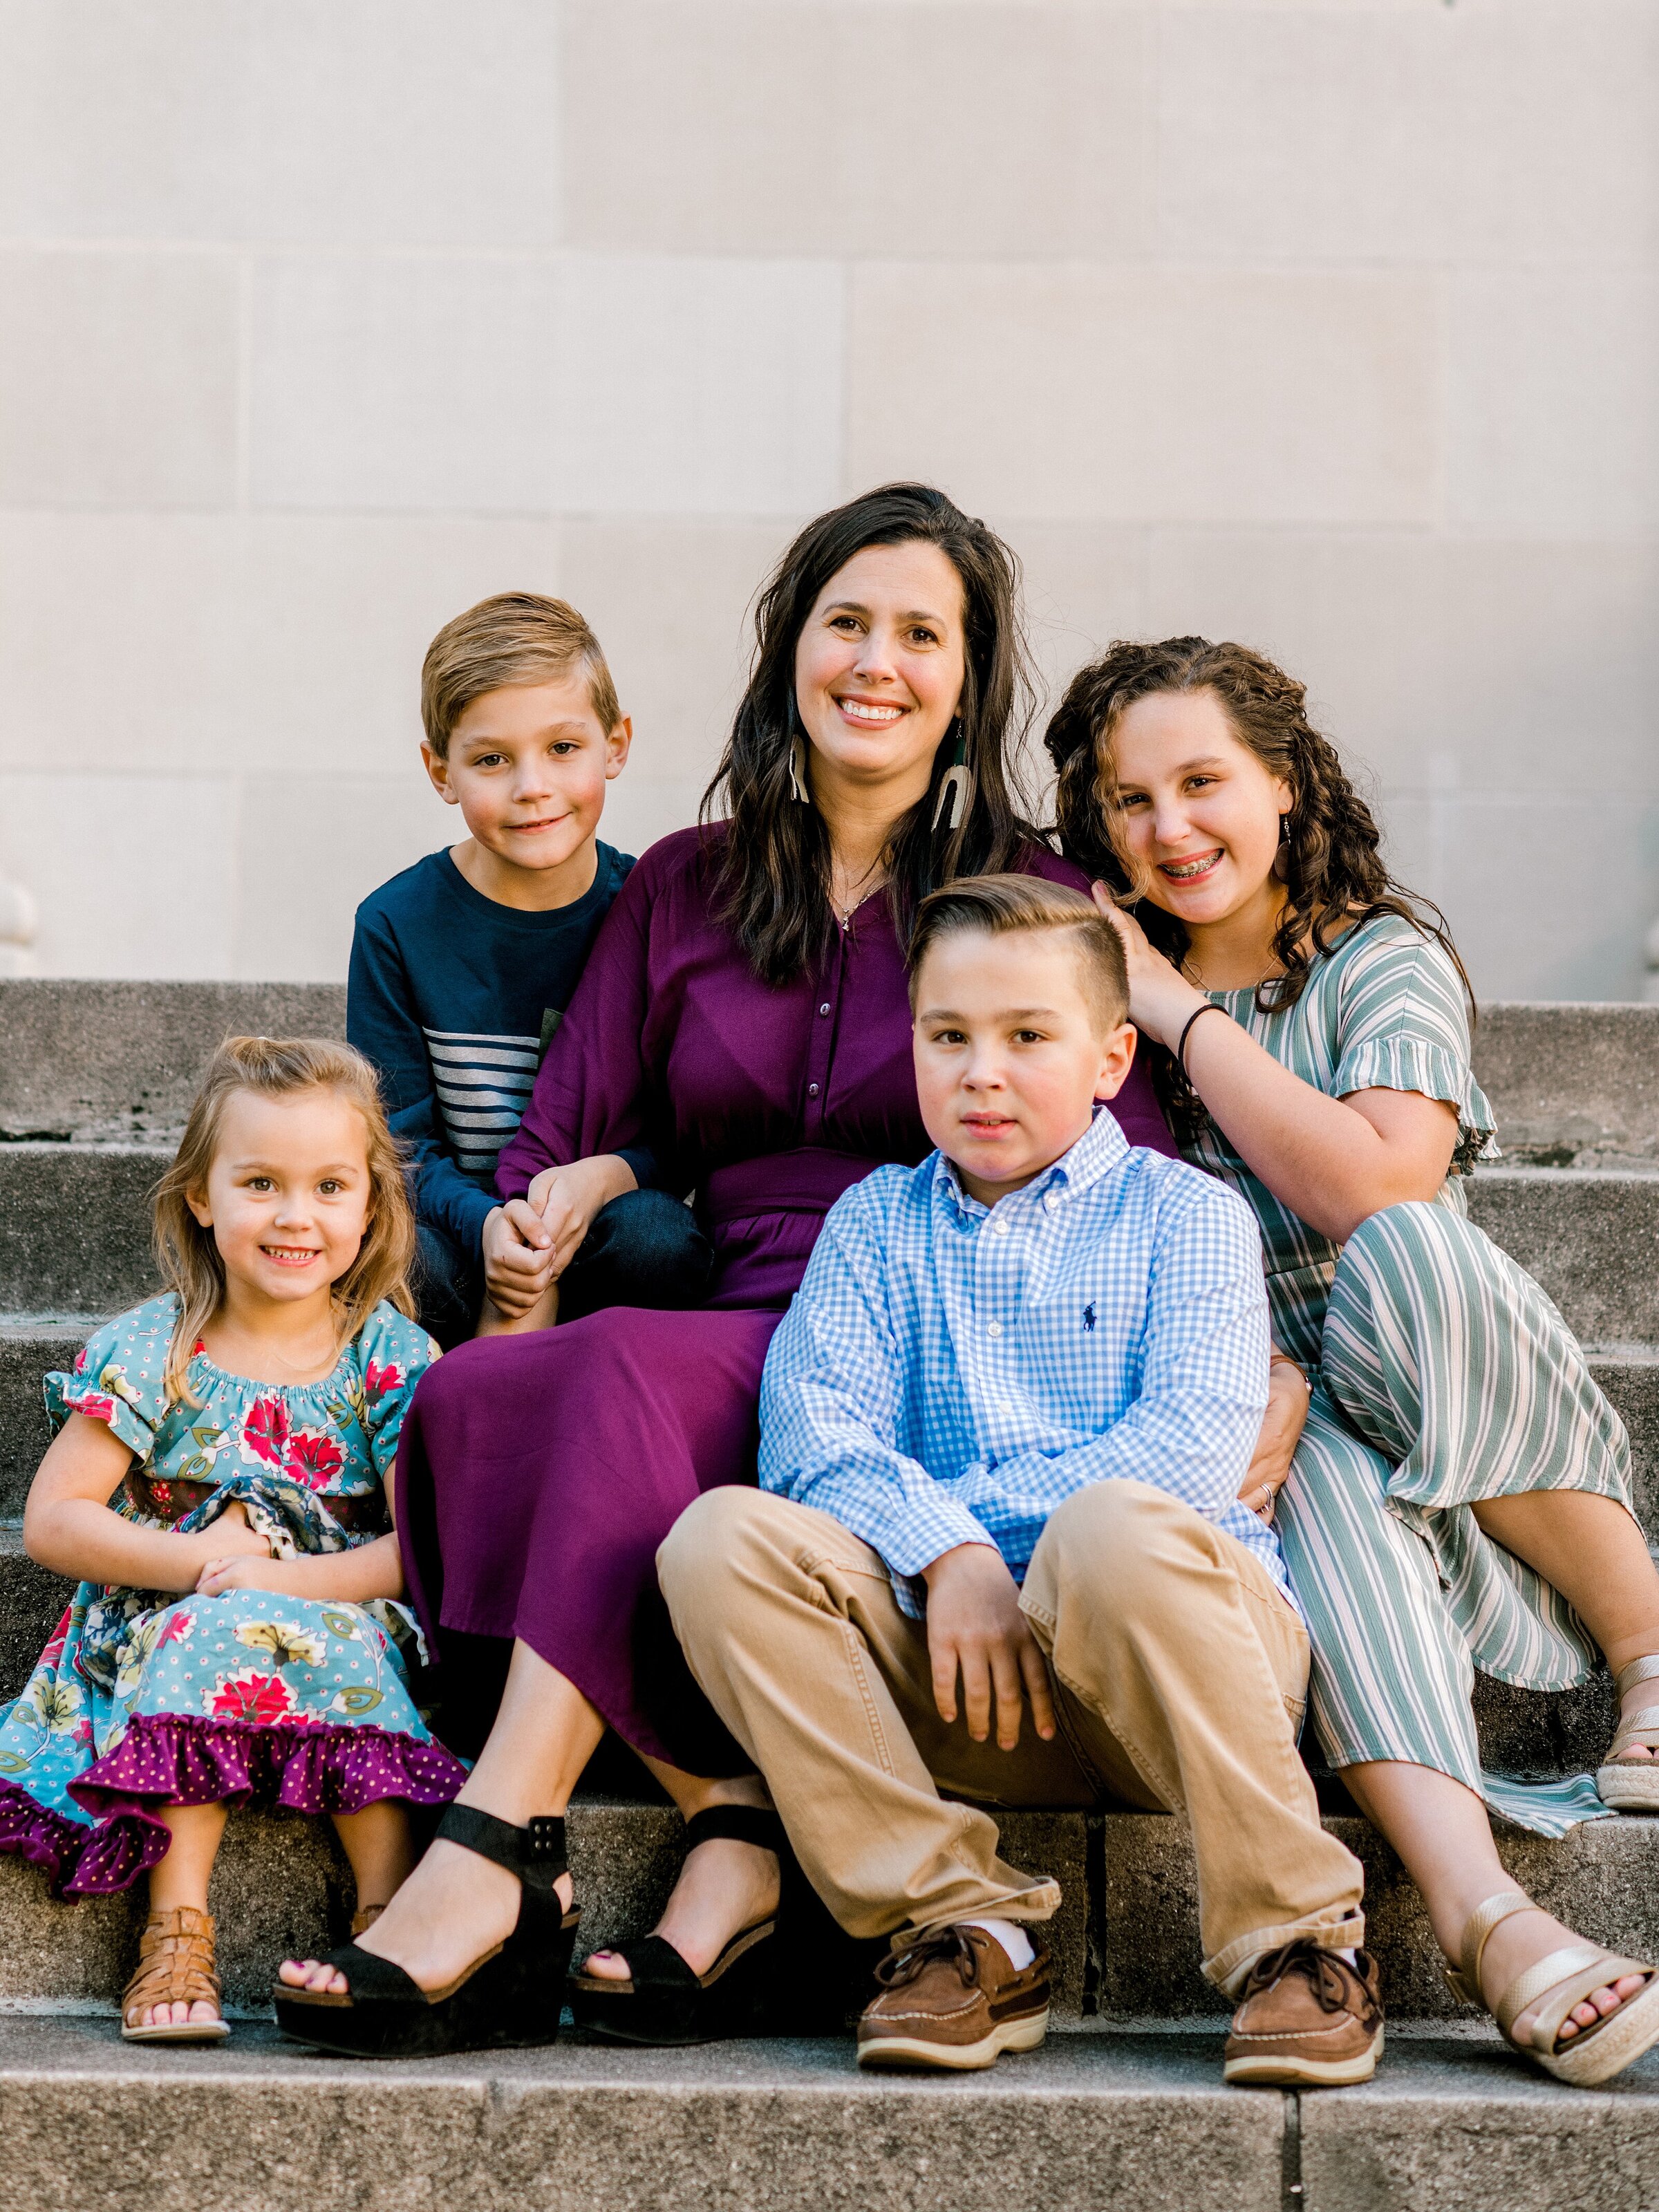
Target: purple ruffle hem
[[180, 1758]]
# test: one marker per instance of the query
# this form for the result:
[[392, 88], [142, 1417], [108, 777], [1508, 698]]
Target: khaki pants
[[1179, 1672]]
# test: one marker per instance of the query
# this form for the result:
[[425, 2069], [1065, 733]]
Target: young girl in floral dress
[[216, 1485]]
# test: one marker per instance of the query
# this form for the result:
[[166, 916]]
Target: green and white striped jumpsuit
[[1442, 1375]]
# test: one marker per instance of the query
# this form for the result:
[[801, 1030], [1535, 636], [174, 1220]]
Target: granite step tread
[[1091, 2120]]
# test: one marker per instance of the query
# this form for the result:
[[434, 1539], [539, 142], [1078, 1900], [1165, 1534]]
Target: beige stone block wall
[[1328, 324]]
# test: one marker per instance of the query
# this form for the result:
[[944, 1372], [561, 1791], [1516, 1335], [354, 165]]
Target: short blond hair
[[999, 906], [517, 637], [280, 1068]]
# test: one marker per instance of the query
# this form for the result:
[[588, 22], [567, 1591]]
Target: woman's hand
[[567, 1199], [1288, 1392], [1161, 999], [530, 1242]]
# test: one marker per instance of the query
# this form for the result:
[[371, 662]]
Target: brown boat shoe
[[1307, 2016], [951, 1999]]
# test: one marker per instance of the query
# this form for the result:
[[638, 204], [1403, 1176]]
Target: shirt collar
[[1096, 1154]]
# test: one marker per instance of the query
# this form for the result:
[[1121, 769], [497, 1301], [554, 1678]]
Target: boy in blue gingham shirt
[[1004, 1426]]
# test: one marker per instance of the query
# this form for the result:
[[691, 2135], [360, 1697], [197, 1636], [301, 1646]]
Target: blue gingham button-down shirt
[[948, 1373]]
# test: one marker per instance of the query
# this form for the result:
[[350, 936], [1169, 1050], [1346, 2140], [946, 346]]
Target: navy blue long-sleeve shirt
[[452, 996]]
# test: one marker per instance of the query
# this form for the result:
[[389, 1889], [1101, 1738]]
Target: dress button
[[825, 1008], [993, 1329], [812, 1089]]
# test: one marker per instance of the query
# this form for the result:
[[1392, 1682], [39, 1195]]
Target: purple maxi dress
[[538, 1474]]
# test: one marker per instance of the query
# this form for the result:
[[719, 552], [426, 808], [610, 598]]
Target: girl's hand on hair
[[1160, 997]]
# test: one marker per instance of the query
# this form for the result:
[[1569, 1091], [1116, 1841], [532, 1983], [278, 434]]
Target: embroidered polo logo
[[1089, 1316]]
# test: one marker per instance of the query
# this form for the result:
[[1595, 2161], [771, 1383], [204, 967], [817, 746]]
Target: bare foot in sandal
[[1520, 1942]]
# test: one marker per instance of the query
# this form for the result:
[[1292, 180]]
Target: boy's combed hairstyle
[[775, 867], [517, 637], [1002, 906], [280, 1068], [1335, 875]]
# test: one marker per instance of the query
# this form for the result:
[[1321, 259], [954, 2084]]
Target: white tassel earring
[[797, 773], [956, 790]]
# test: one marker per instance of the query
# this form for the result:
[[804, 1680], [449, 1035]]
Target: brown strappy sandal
[[175, 1966]]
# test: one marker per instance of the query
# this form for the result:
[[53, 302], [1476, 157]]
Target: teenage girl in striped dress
[[1461, 1497]]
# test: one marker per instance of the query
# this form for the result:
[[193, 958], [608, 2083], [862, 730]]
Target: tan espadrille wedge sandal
[[175, 1966], [1631, 1785], [1560, 1979]]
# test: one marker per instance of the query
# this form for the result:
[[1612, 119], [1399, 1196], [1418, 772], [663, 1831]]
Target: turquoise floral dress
[[145, 1698]]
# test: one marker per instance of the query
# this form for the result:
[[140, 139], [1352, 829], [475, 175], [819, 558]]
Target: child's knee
[[713, 1548], [1110, 1545]]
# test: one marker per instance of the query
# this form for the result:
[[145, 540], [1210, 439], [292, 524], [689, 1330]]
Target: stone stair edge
[[1094, 2118]]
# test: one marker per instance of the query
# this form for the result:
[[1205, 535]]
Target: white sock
[[1013, 1939]]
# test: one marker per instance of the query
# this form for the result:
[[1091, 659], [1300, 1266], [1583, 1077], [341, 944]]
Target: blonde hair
[[189, 1257], [517, 637], [999, 906]]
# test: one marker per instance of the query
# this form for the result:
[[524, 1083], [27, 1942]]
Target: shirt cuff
[[643, 1163], [921, 1537], [474, 1209]]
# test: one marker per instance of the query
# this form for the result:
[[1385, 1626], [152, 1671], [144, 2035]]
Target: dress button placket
[[820, 1041]]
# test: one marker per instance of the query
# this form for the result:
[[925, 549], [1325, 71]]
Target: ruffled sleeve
[[394, 1352], [120, 1378], [1403, 1025]]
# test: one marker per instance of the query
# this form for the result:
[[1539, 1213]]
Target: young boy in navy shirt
[[462, 966]]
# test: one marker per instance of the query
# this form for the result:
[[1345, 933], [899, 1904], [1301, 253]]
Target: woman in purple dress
[[743, 1018]]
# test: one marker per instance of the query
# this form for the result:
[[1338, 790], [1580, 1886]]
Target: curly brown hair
[[1333, 872]]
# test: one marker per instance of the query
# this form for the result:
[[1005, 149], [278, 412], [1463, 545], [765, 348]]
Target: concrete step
[[1527, 1733], [1125, 1941], [1573, 1085], [75, 1226], [258, 2125], [1589, 1235], [280, 1887], [31, 1345], [121, 1059], [75, 1234], [1094, 2121]]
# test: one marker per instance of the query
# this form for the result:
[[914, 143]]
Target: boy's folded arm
[[830, 1397]]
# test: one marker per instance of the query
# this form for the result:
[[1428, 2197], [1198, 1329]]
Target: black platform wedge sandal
[[512, 1996], [663, 2002]]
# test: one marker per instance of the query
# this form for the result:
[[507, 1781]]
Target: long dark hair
[[775, 867], [1331, 862]]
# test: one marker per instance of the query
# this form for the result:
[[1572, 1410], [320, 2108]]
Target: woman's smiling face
[[1195, 811], [880, 664]]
